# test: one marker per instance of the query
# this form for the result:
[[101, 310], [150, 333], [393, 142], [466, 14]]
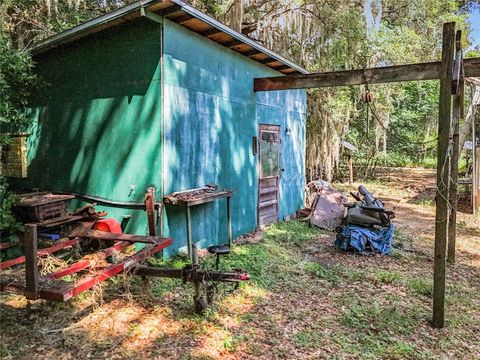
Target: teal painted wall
[[210, 116], [99, 126]]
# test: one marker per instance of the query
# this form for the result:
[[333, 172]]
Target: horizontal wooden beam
[[396, 73], [471, 67]]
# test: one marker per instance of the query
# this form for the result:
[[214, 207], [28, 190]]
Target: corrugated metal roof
[[180, 13]]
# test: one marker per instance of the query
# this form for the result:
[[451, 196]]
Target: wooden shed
[[159, 94]]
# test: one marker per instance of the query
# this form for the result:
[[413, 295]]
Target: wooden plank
[[268, 219], [183, 18], [268, 190], [458, 87], [210, 32], [196, 25], [268, 182], [267, 211], [231, 43], [443, 175], [268, 196], [170, 10], [31, 262], [396, 73], [283, 67], [267, 61], [267, 203], [251, 52], [210, 198], [471, 67]]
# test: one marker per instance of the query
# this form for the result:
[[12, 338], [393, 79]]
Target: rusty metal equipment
[[93, 268], [367, 211], [42, 206], [195, 197], [203, 279]]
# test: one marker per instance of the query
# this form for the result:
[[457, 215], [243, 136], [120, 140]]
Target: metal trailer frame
[[52, 286]]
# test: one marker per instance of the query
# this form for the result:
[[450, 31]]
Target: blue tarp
[[357, 238]]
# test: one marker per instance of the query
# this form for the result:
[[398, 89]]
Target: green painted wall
[[99, 126], [211, 115]]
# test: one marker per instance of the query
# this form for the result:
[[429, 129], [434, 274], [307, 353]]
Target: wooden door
[[268, 173]]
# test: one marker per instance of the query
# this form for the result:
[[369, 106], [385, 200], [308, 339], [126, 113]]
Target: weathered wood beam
[[251, 52], [396, 73], [443, 174], [471, 67], [170, 10], [231, 43], [210, 32], [267, 60], [183, 18], [280, 68], [458, 113]]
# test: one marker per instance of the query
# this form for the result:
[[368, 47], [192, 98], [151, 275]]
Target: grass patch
[[402, 239], [292, 233], [425, 202], [375, 318], [421, 286], [387, 277], [332, 274], [307, 339], [368, 346]]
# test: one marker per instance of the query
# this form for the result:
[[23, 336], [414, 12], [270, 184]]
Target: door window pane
[[269, 154]]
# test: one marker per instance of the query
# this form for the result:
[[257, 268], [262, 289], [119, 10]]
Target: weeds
[[388, 277], [425, 202], [332, 274], [421, 286]]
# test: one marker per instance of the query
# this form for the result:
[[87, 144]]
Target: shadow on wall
[[210, 119], [98, 128]]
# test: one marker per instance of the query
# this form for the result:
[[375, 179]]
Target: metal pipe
[[197, 275], [105, 201]]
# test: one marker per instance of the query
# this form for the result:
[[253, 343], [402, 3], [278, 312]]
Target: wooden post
[[350, 169], [458, 113], [150, 209], [31, 262], [443, 174], [476, 179], [189, 235], [229, 223], [476, 168]]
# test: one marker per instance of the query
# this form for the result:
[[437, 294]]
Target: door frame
[[271, 128]]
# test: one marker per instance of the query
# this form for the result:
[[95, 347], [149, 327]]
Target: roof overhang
[[180, 13]]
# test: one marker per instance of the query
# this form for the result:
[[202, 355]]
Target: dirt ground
[[306, 300]]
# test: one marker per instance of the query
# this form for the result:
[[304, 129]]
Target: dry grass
[[306, 301]]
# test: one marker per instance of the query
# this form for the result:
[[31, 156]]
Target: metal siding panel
[[211, 114], [98, 129]]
